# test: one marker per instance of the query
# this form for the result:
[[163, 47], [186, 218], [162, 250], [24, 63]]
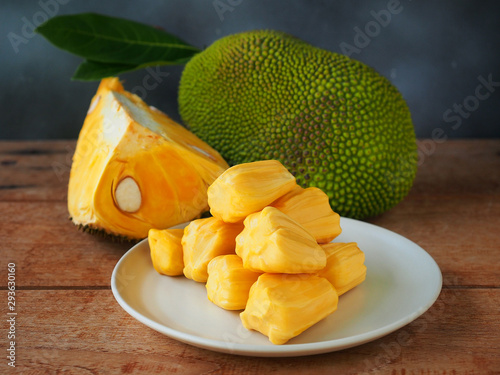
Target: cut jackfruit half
[[135, 169]]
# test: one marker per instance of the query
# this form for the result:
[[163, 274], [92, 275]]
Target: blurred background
[[444, 56]]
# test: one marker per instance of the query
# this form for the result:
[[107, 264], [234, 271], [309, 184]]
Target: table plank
[[451, 168], [50, 250], [35, 170], [462, 236], [85, 331], [453, 210], [39, 237], [459, 167], [69, 321]]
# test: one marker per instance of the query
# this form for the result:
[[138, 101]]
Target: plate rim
[[286, 350]]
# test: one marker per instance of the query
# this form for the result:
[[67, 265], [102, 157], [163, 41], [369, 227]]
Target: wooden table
[[68, 321]]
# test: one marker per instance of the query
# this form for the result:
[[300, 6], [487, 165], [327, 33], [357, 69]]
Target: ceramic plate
[[402, 282]]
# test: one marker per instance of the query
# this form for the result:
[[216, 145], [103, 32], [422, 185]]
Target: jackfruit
[[228, 282], [283, 306], [345, 267], [273, 242], [166, 251], [334, 122], [247, 188], [135, 169], [203, 240], [311, 209]]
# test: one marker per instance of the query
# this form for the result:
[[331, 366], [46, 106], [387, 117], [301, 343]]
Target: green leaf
[[103, 39], [93, 70]]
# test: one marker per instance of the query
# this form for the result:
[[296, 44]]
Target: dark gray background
[[437, 53]]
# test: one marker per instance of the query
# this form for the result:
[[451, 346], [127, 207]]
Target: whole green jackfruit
[[334, 122]]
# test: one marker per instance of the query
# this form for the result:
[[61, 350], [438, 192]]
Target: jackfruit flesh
[[270, 265], [334, 122], [203, 240], [311, 209], [247, 188], [283, 306], [345, 267], [228, 282], [166, 251], [273, 242], [135, 169]]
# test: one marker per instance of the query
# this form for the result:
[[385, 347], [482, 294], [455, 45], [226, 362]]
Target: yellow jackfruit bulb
[[283, 306], [203, 240], [247, 188], [166, 251], [135, 169], [311, 208], [345, 267], [273, 242], [228, 282]]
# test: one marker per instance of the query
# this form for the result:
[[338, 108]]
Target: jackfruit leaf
[[94, 70], [121, 44]]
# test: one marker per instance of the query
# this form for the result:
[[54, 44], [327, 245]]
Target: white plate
[[402, 282]]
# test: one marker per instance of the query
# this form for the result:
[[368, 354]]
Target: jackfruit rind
[[334, 122], [135, 169]]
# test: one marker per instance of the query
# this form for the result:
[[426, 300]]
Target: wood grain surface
[[69, 323]]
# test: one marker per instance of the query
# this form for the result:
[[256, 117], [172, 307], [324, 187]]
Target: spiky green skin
[[102, 233], [332, 121]]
